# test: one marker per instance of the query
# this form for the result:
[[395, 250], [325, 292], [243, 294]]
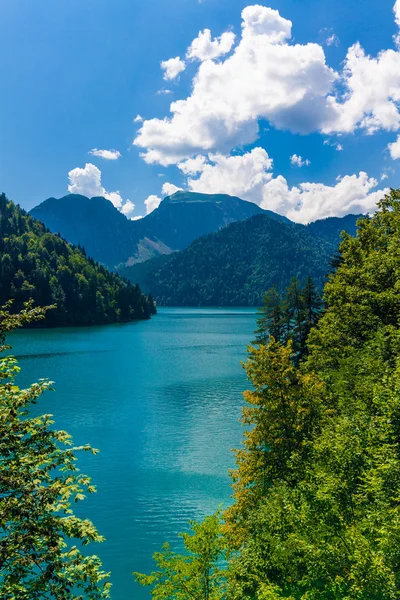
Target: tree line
[[39, 265]]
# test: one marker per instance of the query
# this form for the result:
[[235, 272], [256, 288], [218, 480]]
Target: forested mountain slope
[[235, 266], [330, 228], [112, 239], [35, 263]]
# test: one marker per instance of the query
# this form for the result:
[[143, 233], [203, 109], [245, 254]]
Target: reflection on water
[[161, 400]]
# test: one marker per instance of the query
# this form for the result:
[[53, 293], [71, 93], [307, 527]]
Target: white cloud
[[106, 154], [310, 201], [265, 77], [299, 161], [128, 208], [396, 10], [191, 166], [269, 77], [394, 148], [332, 40], [249, 177], [138, 119], [172, 68], [372, 91], [338, 147], [204, 48], [87, 182], [164, 92], [151, 203], [169, 188], [243, 176]]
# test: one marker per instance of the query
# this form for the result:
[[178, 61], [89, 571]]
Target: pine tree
[[270, 318]]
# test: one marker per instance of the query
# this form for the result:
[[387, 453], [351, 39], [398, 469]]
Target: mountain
[[112, 239], [35, 263], [330, 228], [236, 265]]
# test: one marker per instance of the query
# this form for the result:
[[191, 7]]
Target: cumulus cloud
[[106, 154], [128, 208], [371, 93], [310, 201], [205, 48], [169, 188], [172, 68], [269, 77], [396, 10], [138, 119], [250, 177], [299, 161], [243, 176], [266, 77], [151, 203], [394, 148], [87, 182]]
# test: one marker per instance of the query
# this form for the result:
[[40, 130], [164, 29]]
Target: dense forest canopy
[[236, 265], [37, 264]]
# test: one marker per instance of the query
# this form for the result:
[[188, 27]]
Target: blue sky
[[75, 75]]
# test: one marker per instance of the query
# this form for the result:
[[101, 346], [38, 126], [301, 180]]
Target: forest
[[39, 265], [236, 265]]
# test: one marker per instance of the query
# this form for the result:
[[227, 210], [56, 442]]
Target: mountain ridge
[[236, 265], [112, 239]]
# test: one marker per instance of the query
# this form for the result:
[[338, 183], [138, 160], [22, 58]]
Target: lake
[[161, 399]]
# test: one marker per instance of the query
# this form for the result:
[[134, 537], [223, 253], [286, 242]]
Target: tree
[[291, 318], [39, 481], [270, 318], [281, 413], [195, 575]]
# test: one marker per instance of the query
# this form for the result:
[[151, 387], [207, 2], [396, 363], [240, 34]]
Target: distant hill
[[35, 263], [236, 265], [330, 228], [112, 239]]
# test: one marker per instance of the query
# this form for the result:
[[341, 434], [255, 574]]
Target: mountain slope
[[111, 238], [330, 228], [236, 265], [35, 263]]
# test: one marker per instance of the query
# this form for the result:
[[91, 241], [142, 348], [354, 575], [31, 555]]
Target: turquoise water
[[161, 400]]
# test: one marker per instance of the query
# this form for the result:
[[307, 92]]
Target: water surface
[[161, 400]]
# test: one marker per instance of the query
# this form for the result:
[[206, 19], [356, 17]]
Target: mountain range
[[236, 265], [112, 239], [199, 249]]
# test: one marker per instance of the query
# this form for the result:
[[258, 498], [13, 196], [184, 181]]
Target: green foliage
[[35, 263], [289, 318], [327, 526], [194, 575], [39, 481], [235, 266]]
